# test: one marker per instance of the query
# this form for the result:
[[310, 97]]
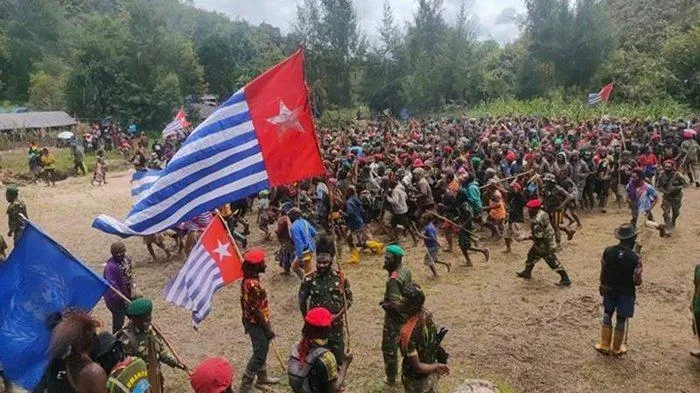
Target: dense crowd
[[466, 178]]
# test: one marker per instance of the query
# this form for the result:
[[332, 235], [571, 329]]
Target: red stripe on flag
[[223, 250], [605, 91], [279, 108]]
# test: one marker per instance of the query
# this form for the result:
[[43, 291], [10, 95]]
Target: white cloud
[[282, 13]]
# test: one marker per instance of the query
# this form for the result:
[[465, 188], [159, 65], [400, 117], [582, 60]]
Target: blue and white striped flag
[[262, 136], [141, 181], [218, 163]]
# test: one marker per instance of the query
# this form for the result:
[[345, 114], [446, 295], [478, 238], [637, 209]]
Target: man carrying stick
[[324, 288]]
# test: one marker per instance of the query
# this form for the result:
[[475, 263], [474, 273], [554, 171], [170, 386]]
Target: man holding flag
[[256, 321]]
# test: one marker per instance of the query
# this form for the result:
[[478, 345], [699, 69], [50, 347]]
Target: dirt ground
[[502, 329]]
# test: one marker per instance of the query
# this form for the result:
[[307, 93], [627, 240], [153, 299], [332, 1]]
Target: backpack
[[298, 372]]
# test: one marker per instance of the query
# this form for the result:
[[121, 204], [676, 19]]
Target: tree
[[682, 57]]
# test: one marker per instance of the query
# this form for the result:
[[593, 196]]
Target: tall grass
[[558, 107]]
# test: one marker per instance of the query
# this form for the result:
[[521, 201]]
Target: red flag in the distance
[[605, 91]]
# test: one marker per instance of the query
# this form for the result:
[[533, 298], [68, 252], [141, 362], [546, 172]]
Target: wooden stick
[[556, 316], [277, 355], [342, 289], [510, 177], [165, 340], [453, 223]]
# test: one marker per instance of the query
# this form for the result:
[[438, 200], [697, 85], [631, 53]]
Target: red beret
[[533, 204], [213, 375], [255, 256], [319, 317]]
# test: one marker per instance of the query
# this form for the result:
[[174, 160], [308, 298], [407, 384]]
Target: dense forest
[[139, 59]]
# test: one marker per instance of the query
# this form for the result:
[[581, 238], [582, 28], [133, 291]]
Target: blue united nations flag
[[38, 279]]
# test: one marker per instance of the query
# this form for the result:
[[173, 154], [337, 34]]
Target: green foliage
[[682, 56], [557, 106], [139, 59]]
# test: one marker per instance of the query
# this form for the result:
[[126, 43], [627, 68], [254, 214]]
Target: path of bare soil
[[501, 328]]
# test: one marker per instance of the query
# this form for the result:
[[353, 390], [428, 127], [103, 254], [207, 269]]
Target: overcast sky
[[494, 18]]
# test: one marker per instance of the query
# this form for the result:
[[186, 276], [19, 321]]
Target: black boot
[[527, 273], [565, 280]]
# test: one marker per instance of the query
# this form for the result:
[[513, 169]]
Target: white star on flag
[[286, 119], [222, 250]]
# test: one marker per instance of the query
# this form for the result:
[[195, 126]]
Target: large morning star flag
[[261, 137], [38, 279]]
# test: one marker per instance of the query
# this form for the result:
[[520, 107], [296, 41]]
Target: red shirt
[[645, 160], [253, 297]]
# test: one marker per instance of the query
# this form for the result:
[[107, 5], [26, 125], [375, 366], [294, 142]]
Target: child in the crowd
[[264, 212], [431, 244], [98, 175]]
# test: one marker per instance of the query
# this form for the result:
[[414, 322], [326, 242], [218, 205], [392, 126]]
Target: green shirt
[[421, 341], [136, 344], [14, 212], [696, 296], [398, 280], [542, 233], [325, 290], [129, 376]]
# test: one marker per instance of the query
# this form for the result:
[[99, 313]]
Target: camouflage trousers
[[390, 347], [536, 253], [336, 343], [671, 209]]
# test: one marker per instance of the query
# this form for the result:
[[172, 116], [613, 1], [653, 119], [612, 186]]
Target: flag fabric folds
[[214, 262], [602, 95], [39, 279], [178, 124], [141, 181], [263, 136]]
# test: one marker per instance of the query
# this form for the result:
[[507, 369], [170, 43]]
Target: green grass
[[17, 160]]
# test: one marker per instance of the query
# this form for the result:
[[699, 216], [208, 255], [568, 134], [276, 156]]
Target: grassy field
[[16, 161]]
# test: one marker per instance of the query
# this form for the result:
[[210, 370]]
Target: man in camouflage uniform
[[394, 318], [543, 246], [15, 211], [671, 183], [556, 199], [688, 156], [324, 288], [136, 335]]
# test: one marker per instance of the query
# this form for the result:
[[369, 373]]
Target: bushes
[[557, 106]]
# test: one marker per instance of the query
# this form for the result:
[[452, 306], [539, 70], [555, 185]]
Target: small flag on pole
[[213, 262], [39, 279], [602, 95], [178, 124]]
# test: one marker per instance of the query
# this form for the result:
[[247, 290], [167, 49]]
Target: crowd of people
[[466, 178]]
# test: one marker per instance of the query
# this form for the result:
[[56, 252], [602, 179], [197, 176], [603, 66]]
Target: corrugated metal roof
[[11, 121]]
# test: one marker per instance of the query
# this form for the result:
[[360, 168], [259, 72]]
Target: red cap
[[418, 163], [516, 186], [534, 204], [213, 375], [319, 317], [255, 256]]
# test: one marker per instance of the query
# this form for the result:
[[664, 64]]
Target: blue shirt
[[303, 237], [430, 232], [642, 197], [354, 213]]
